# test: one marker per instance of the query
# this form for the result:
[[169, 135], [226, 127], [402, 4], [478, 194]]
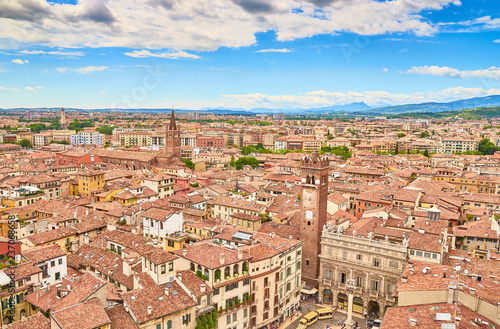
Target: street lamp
[[350, 286]]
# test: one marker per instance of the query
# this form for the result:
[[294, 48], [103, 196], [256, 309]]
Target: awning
[[309, 291]]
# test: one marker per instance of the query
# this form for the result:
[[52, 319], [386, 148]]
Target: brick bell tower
[[314, 203], [173, 137]]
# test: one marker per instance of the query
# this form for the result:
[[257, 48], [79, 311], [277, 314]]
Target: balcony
[[374, 294], [390, 299]]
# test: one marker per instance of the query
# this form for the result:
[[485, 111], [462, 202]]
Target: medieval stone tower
[[314, 202], [173, 138], [64, 124]]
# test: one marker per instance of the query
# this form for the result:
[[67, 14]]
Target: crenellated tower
[[314, 203]]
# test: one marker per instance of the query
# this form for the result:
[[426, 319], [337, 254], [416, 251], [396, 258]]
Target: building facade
[[375, 267]]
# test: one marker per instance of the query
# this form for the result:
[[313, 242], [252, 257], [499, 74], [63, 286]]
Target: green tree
[[426, 153], [396, 150], [26, 143], [37, 127], [233, 162], [106, 130], [251, 161], [188, 163], [424, 134], [401, 135], [486, 147]]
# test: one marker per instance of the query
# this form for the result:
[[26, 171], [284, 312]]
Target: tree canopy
[[486, 147]]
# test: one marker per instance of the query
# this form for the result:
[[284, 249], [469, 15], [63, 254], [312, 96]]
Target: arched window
[[227, 271], [217, 274], [235, 269], [313, 180], [192, 267], [169, 324]]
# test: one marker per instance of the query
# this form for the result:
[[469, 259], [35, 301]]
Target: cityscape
[[249, 164]]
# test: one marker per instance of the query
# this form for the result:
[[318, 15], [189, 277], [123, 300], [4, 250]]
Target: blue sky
[[246, 53]]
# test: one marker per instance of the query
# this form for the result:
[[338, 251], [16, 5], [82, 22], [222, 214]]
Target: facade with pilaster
[[375, 266]]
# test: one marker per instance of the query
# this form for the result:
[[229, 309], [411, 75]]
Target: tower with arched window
[[314, 199]]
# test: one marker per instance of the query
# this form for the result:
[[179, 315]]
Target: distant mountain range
[[350, 109]]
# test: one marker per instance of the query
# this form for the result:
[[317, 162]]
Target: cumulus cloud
[[497, 41], [489, 73], [55, 53], [321, 98], [282, 50], [220, 23], [170, 54], [20, 61], [7, 88]]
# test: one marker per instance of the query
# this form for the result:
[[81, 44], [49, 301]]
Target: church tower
[[314, 203], [173, 137], [64, 124]]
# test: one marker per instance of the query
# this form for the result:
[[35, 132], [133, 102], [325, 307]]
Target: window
[[60, 261], [393, 264], [390, 288], [158, 326], [58, 275], [374, 285], [163, 269], [52, 263], [359, 281], [376, 262], [228, 319], [343, 277], [170, 243], [235, 316], [307, 262], [328, 274], [419, 253], [427, 255], [344, 255], [170, 266], [412, 252], [359, 257]]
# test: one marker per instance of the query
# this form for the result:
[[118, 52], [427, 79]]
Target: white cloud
[[38, 87], [6, 88], [30, 88], [385, 69], [489, 73], [55, 53], [20, 61], [496, 41], [283, 50], [102, 92], [321, 98], [170, 54], [168, 24], [82, 70], [90, 69]]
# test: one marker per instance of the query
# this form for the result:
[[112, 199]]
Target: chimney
[[412, 271], [166, 291], [404, 279], [413, 322], [179, 275], [149, 309], [221, 259], [240, 253], [68, 287], [457, 322], [472, 291], [184, 252], [202, 287]]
